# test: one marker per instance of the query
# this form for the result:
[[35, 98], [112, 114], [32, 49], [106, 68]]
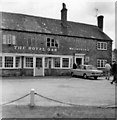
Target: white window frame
[[47, 63], [71, 63], [1, 62], [54, 64], [68, 64], [13, 62], [51, 42], [9, 39], [101, 60], [99, 45], [19, 62], [25, 62], [4, 39]]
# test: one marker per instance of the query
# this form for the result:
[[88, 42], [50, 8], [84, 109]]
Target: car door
[[79, 71]]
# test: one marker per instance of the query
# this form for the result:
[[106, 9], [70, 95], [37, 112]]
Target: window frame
[[1, 62], [8, 39], [12, 62], [46, 63], [25, 64], [101, 61], [56, 61], [19, 62], [68, 62], [101, 45], [50, 41]]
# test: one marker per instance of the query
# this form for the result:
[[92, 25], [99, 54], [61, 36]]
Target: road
[[66, 89]]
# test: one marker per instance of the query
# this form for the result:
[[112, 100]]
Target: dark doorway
[[78, 61]]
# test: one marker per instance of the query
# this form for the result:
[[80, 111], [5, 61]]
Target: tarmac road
[[66, 89]]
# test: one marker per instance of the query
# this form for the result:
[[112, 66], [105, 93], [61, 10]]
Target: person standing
[[114, 72], [107, 70], [74, 66]]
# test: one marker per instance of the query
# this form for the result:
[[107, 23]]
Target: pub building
[[38, 46]]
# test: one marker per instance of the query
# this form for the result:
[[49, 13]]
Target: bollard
[[32, 94]]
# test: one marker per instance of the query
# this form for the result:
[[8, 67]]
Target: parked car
[[87, 71]]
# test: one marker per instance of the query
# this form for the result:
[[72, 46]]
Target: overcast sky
[[84, 11]]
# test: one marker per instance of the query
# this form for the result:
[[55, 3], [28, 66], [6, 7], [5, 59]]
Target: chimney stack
[[64, 15], [100, 22]]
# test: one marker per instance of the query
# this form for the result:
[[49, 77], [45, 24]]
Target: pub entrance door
[[38, 67]]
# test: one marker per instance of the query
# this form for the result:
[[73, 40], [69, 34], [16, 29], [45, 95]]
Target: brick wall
[[79, 45]]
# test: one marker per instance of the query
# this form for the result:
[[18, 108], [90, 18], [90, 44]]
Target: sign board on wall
[[87, 59], [34, 48]]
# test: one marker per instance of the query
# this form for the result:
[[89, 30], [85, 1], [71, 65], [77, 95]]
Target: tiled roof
[[22, 22]]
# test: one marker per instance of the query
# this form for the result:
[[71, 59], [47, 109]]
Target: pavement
[[69, 90]]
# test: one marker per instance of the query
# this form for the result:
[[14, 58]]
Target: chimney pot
[[64, 15], [100, 21], [64, 6]]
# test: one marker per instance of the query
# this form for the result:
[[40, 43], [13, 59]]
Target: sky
[[83, 11]]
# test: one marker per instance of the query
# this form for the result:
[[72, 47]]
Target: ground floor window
[[71, 63], [18, 62], [46, 62], [56, 62], [65, 62], [29, 62], [101, 63], [9, 62], [0, 62]]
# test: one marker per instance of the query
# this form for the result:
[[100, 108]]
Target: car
[[87, 71]]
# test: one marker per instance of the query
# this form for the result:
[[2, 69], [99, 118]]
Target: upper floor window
[[52, 43], [102, 46], [101, 63], [9, 39]]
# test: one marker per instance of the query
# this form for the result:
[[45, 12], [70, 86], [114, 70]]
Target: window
[[29, 62], [101, 63], [102, 46], [17, 63], [9, 39], [65, 62], [52, 43], [46, 62], [56, 62], [0, 62], [9, 62], [48, 42], [71, 63]]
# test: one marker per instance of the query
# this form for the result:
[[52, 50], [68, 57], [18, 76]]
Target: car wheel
[[72, 74], [85, 76], [95, 78]]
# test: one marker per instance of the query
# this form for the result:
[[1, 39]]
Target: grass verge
[[25, 111]]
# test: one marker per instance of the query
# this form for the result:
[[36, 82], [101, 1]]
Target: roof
[[21, 22]]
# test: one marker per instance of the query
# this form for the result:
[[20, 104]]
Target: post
[[32, 93]]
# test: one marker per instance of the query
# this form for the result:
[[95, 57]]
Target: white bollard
[[32, 94]]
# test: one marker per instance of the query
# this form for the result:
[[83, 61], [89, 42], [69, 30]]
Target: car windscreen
[[90, 67]]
